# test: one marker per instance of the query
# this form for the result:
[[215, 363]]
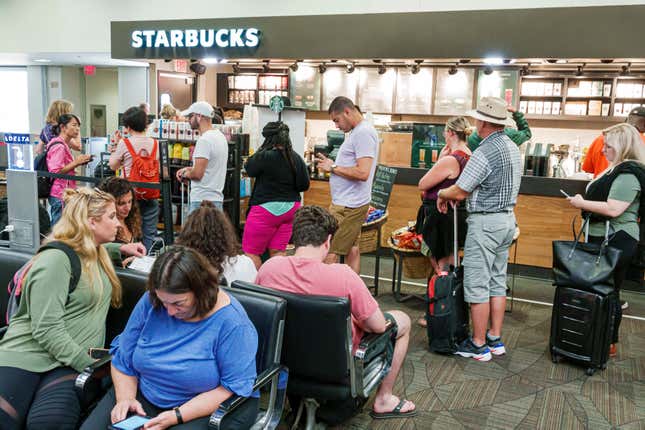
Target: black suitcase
[[581, 325], [446, 310]]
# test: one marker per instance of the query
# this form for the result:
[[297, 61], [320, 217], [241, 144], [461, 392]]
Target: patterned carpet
[[522, 390]]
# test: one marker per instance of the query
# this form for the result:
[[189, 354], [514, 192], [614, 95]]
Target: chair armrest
[[229, 405], [3, 330], [373, 344], [88, 382]]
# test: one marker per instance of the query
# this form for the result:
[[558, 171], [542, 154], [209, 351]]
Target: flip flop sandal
[[394, 413]]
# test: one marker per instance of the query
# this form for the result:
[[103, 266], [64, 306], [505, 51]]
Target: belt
[[490, 213]]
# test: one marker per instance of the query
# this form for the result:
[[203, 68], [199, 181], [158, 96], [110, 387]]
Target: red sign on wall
[[89, 70], [181, 66]]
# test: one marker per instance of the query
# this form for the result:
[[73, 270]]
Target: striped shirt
[[493, 175]]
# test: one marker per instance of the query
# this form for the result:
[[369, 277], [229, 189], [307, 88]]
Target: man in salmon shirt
[[306, 273], [595, 161]]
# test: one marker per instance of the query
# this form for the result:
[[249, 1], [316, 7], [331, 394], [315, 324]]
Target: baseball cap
[[638, 111], [201, 108]]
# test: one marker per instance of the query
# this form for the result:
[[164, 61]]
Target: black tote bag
[[584, 265]]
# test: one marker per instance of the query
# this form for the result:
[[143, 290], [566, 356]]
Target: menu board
[[376, 92], [454, 95], [382, 187], [500, 83], [337, 82], [414, 91], [304, 88]]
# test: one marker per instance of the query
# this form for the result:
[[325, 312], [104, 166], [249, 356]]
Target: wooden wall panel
[[541, 219]]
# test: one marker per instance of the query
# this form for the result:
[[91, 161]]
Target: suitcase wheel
[[555, 358], [604, 366], [590, 371]]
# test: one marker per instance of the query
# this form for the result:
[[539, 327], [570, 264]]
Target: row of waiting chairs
[[304, 347]]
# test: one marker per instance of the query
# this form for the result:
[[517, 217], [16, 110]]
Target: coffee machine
[[536, 159]]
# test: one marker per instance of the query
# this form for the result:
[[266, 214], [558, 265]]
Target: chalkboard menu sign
[[305, 88], [382, 187]]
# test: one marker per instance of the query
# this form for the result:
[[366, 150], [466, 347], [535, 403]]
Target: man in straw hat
[[490, 182]]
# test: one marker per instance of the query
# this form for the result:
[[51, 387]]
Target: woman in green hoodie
[[48, 339], [519, 136]]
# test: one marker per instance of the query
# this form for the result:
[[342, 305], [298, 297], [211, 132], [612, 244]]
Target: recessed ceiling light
[[210, 60], [494, 61], [42, 60]]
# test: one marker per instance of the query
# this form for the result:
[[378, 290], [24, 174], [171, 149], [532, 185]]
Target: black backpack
[[40, 165], [16, 284]]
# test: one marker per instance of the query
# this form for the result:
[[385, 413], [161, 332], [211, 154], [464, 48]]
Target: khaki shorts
[[350, 221]]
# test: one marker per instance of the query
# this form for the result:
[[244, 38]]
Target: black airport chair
[[10, 261], [317, 350]]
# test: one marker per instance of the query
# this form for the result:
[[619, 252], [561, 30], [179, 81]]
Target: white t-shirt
[[212, 146], [240, 268]]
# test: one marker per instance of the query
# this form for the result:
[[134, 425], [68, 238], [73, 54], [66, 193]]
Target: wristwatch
[[333, 166]]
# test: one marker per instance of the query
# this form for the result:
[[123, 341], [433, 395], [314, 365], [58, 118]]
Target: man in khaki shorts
[[351, 177]]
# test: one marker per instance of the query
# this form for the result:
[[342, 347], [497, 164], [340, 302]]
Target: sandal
[[395, 413]]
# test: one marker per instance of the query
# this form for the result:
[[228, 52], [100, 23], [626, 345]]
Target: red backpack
[[145, 168]]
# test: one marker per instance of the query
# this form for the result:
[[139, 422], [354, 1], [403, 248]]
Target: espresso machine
[[537, 159]]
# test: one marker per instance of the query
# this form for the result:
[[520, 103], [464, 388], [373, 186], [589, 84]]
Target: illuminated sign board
[[192, 38]]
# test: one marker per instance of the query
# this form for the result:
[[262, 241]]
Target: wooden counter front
[[541, 219]]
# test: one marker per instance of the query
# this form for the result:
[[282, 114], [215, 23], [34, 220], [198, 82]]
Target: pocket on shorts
[[494, 227]]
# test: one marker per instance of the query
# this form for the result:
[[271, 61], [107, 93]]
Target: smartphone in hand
[[135, 422], [565, 194]]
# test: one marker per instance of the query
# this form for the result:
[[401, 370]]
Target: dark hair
[[276, 136], [181, 270], [135, 118], [339, 104], [312, 225], [209, 231], [119, 187], [63, 120]]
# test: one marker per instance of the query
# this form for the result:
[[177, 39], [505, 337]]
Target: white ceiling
[[99, 59]]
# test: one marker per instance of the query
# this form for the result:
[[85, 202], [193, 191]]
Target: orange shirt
[[595, 161]]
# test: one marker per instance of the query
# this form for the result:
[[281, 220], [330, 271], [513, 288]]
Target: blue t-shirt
[[176, 360]]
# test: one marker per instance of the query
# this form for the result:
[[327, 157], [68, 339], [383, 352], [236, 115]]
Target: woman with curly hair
[[126, 212], [209, 231]]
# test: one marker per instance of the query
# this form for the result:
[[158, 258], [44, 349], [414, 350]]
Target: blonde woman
[[48, 339], [56, 109], [168, 111], [616, 196], [435, 227]]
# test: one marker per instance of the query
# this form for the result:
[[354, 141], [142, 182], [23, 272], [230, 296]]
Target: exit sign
[[181, 66]]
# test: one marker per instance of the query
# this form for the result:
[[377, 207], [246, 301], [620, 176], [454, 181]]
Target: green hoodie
[[519, 136]]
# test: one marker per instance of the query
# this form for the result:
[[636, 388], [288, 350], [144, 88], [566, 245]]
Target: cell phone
[[565, 194], [98, 353], [135, 422]]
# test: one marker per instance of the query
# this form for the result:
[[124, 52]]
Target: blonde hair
[[58, 108], [73, 229], [460, 126], [626, 141], [168, 111]]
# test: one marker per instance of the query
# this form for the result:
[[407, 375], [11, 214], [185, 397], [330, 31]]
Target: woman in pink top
[[61, 160]]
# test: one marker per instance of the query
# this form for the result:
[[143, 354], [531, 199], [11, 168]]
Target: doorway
[[97, 121]]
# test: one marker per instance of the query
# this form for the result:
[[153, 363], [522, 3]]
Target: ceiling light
[[494, 61], [415, 69], [453, 70], [381, 69], [351, 67], [223, 61], [625, 70], [167, 60], [561, 61], [580, 70], [236, 68], [525, 71], [606, 60], [210, 60], [464, 61], [42, 60], [266, 67], [322, 68], [488, 70], [294, 67], [551, 60]]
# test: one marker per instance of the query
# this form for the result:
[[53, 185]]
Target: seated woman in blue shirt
[[187, 347]]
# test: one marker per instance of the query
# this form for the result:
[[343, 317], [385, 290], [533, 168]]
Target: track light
[[625, 70], [525, 71], [322, 68], [381, 69], [351, 67], [266, 67], [236, 68], [464, 61], [415, 69], [294, 67], [453, 70], [580, 70], [607, 60], [488, 70]]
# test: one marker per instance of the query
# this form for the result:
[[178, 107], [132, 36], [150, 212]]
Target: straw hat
[[491, 109]]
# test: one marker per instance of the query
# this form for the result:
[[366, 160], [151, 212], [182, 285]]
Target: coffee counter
[[542, 212]]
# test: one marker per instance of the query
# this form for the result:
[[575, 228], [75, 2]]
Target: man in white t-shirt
[[208, 172]]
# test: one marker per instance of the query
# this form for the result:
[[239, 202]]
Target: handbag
[[584, 265]]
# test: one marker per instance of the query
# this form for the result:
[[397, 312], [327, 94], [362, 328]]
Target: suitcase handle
[[454, 230]]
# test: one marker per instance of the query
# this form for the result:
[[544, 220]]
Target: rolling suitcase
[[582, 324], [446, 310]]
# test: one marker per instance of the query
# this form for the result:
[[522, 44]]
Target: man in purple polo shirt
[[351, 179]]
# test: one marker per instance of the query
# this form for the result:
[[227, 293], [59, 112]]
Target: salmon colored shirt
[[595, 161]]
